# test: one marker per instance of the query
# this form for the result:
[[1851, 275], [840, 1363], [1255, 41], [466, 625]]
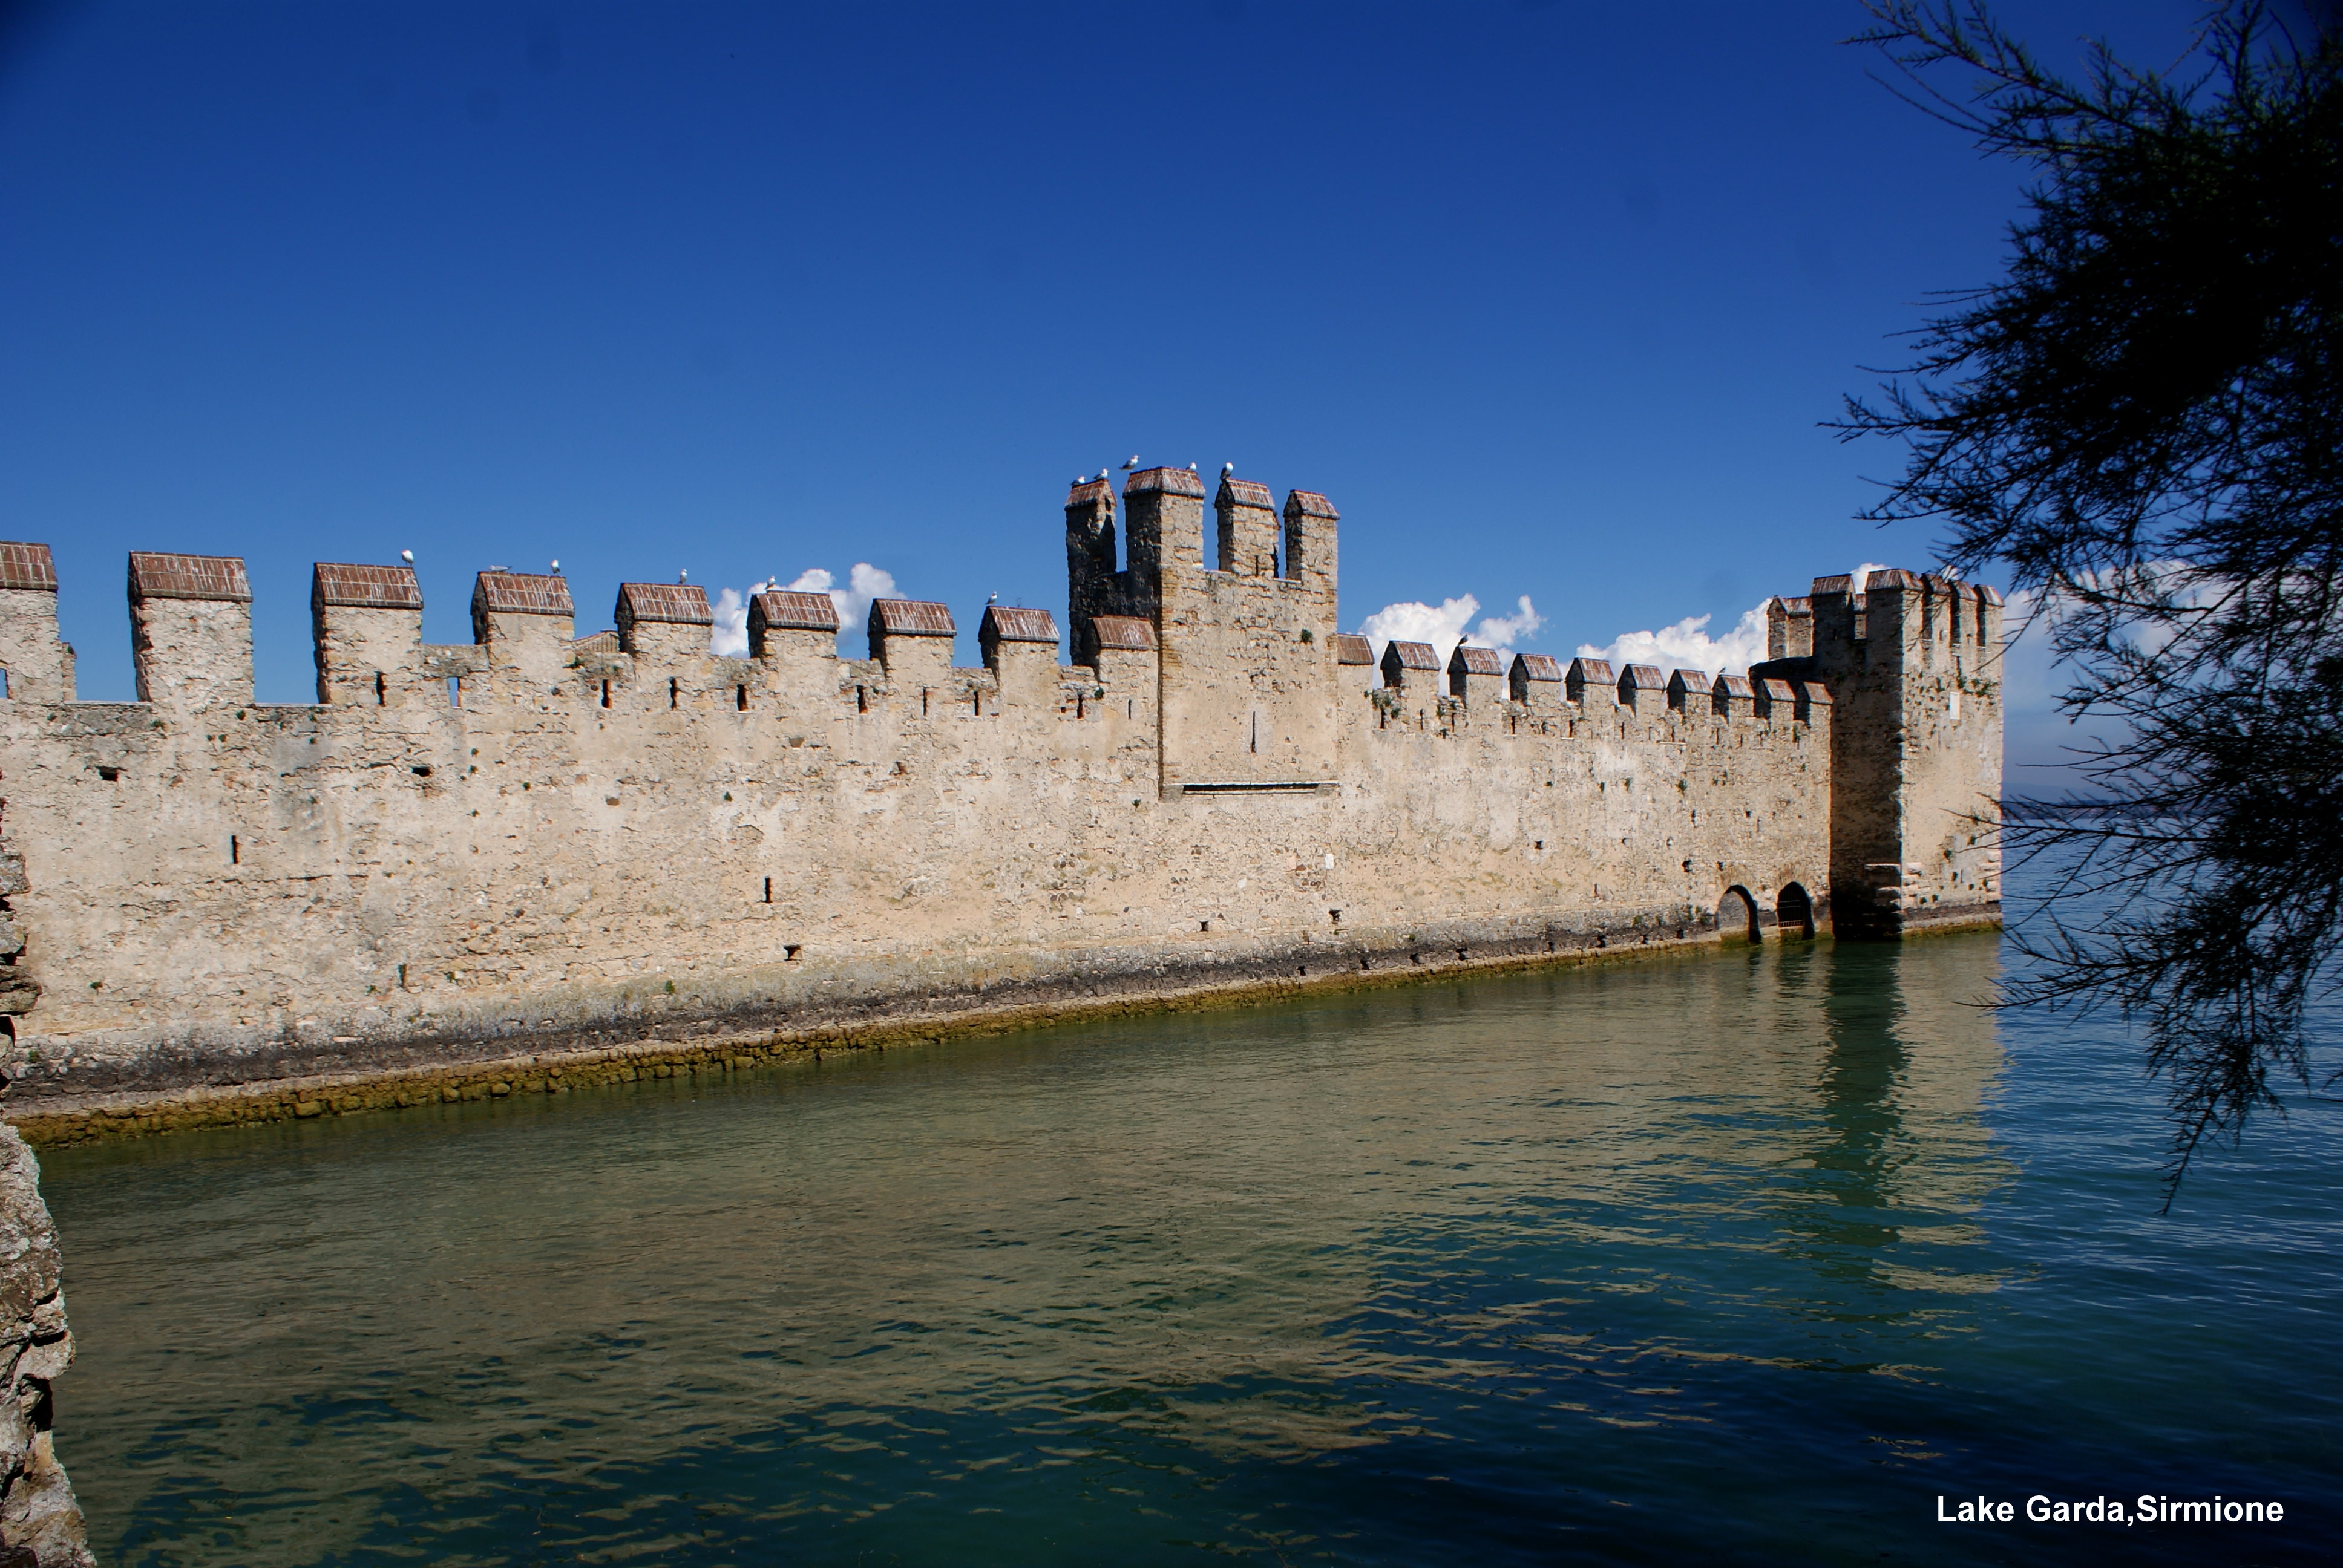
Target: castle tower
[[1913, 665], [1246, 676], [1093, 585]]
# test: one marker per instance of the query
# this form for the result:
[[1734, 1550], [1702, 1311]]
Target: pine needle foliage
[[2142, 423]]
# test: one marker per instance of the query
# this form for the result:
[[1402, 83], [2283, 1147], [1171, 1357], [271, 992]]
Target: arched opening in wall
[[1795, 911], [1737, 917]]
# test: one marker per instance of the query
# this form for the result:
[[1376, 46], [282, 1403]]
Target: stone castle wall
[[538, 840]]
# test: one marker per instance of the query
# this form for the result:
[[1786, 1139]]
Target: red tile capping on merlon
[[1399, 658], [1170, 481], [671, 604], [1589, 676], [785, 610], [1350, 648], [524, 593], [1688, 689], [352, 586], [154, 575], [1535, 677], [1732, 697], [1127, 633], [27, 567], [1638, 678], [1014, 623]]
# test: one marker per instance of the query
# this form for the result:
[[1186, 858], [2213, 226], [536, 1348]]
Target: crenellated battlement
[[540, 834]]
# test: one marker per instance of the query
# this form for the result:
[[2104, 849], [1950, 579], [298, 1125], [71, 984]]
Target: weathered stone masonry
[[537, 844]]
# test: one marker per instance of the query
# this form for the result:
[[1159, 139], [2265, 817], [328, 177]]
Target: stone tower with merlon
[[1912, 662], [1246, 682]]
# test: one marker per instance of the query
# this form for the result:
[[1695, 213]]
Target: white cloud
[[1442, 626], [1413, 620], [729, 638], [864, 582], [1686, 644], [1504, 631]]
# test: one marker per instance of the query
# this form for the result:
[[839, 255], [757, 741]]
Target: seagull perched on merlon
[[406, 556], [1227, 469], [683, 576]]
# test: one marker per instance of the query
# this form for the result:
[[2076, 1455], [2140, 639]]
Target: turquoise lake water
[[1749, 1257]]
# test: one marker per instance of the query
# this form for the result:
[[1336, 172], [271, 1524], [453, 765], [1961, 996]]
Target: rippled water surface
[[1750, 1257]]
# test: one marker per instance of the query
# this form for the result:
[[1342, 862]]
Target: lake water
[[1749, 1257]]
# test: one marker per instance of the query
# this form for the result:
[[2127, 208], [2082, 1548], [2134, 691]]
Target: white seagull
[[1132, 464], [1227, 469], [406, 556]]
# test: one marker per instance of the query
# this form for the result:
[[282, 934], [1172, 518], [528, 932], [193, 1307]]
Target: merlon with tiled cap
[[1089, 492], [1172, 481], [1350, 648], [155, 574], [671, 604], [29, 567], [1310, 504], [1015, 623], [910, 617], [1469, 660], [524, 593], [786, 610], [1125, 632], [357, 587], [1236, 492], [1537, 665], [1411, 654]]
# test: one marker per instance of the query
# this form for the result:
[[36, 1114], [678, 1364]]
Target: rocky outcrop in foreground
[[40, 1523]]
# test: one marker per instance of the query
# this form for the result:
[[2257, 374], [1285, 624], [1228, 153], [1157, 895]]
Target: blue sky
[[1550, 298]]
